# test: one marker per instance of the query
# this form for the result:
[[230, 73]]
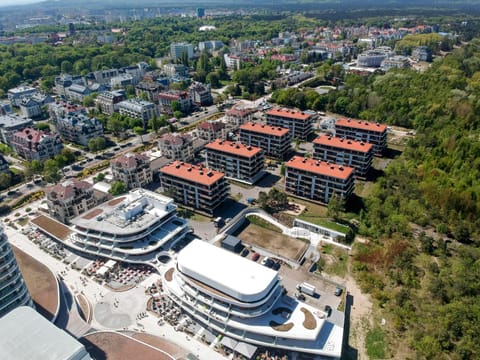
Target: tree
[[335, 206], [66, 67], [139, 131], [97, 144], [68, 155], [5, 180], [51, 171], [115, 125], [155, 123], [118, 188], [42, 126]]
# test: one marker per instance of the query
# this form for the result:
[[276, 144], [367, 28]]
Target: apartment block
[[132, 169], [16, 95], [176, 146], [79, 128], [341, 151], [194, 186], [108, 101], [200, 94], [165, 100], [239, 115], [238, 161], [138, 109], [69, 199], [275, 141], [11, 123], [318, 180], [210, 131], [177, 50], [299, 123], [32, 144], [365, 131]]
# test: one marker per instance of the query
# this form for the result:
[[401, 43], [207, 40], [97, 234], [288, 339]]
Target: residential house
[[32, 144], [132, 169]]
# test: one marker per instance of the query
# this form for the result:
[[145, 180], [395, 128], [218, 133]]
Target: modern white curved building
[[131, 227], [13, 290], [246, 301]]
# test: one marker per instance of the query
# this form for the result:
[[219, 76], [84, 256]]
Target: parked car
[[264, 260], [244, 252], [338, 291], [255, 256], [328, 310]]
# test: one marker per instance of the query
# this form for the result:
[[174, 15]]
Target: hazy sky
[[16, 2]]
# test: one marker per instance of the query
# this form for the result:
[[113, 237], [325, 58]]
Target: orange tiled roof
[[195, 173], [342, 143], [234, 148], [320, 167], [362, 125]]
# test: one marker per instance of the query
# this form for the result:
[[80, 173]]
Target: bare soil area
[[272, 241], [114, 346], [41, 283]]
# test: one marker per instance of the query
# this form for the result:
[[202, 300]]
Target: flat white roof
[[225, 271], [26, 335]]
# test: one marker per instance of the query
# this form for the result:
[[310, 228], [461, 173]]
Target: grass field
[[375, 344], [273, 241]]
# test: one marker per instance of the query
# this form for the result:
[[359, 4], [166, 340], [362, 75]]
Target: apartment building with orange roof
[[360, 130], [239, 162], [274, 140], [194, 185], [300, 123], [341, 151], [318, 180]]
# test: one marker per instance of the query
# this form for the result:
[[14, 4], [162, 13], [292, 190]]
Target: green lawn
[[375, 344], [325, 223]]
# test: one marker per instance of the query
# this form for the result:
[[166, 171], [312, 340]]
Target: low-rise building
[[200, 94], [395, 62], [175, 70], [148, 90], [318, 180], [132, 169], [11, 123], [61, 109], [77, 92], [79, 128], [359, 130], [238, 161], [167, 98], [16, 95], [130, 228], [422, 53], [69, 199], [356, 154], [31, 107], [300, 123], [138, 109], [64, 81], [176, 146], [32, 144], [275, 141], [248, 304], [194, 186], [211, 130], [239, 115], [107, 101]]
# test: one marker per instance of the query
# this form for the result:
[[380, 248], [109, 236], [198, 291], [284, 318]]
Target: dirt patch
[[274, 242], [294, 209], [41, 283], [159, 343], [309, 323], [52, 227], [113, 346], [84, 312], [92, 214], [116, 201], [169, 274], [281, 327]]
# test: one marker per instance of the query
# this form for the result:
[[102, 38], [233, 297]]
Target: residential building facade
[[300, 123], [211, 130], [275, 141], [138, 109], [167, 98], [318, 180], [238, 161], [11, 123], [369, 132], [79, 128], [194, 186], [107, 101], [356, 154], [132, 169], [69, 199], [200, 94], [16, 95], [177, 50], [239, 115], [32, 144], [13, 290], [176, 146]]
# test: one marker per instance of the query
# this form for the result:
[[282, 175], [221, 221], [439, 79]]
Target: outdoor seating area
[[46, 243], [127, 275]]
